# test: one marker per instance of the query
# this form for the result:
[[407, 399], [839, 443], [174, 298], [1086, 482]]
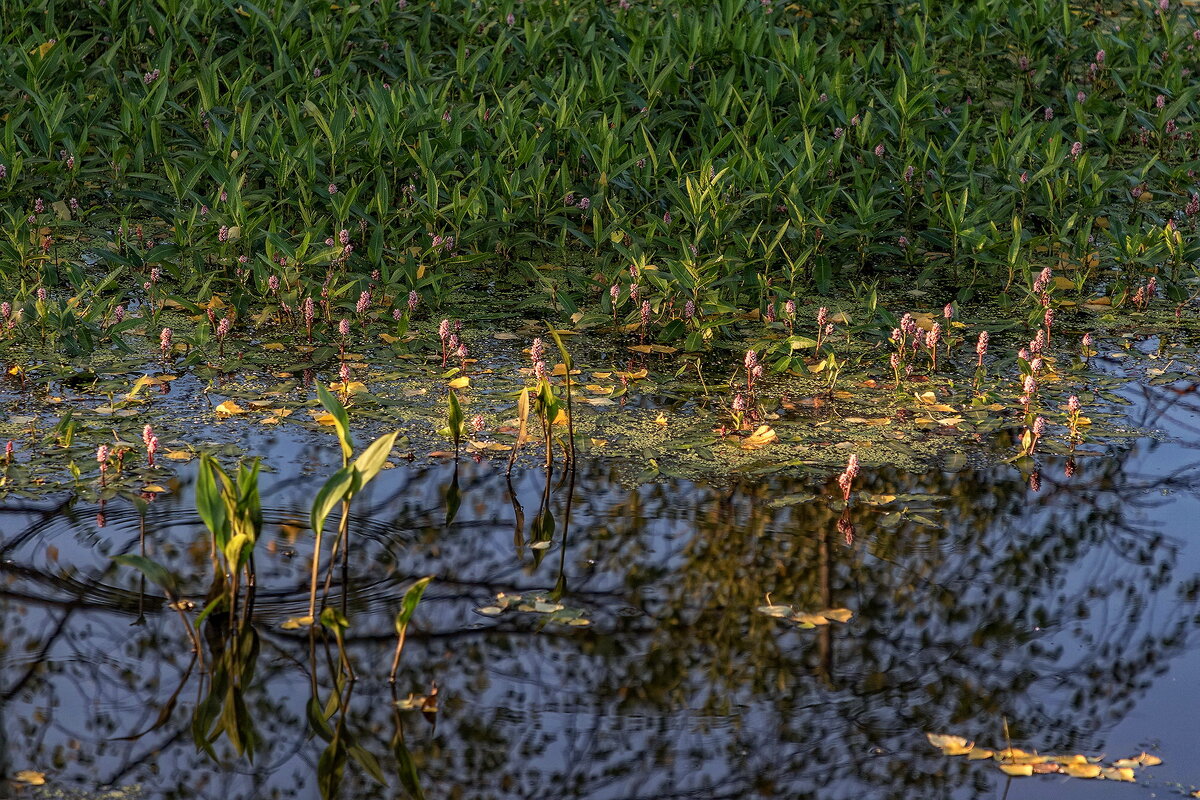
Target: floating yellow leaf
[[482, 447], [599, 442], [277, 346], [979, 753], [296, 623], [837, 614], [460, 382], [1017, 770], [1117, 774], [764, 435], [154, 488], [229, 409], [950, 745], [28, 776], [388, 338], [323, 417], [1082, 770], [178, 455], [353, 387]]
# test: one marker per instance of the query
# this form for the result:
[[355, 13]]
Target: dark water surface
[[1071, 612]]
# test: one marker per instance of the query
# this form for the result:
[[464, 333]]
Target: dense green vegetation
[[750, 151]]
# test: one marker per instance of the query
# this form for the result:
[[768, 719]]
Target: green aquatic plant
[[342, 486], [408, 607], [231, 509]]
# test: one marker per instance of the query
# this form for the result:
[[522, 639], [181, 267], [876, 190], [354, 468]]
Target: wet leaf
[[1117, 774], [1018, 770], [28, 776], [950, 745], [1082, 770], [761, 437], [296, 623], [229, 409], [461, 382]]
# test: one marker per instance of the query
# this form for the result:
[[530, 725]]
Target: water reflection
[[975, 601]]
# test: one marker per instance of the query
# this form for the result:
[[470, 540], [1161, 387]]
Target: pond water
[[1069, 613]]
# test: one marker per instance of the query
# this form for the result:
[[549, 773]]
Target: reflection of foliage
[[967, 593]]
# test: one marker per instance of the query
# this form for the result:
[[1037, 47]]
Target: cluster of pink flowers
[[846, 479], [151, 442]]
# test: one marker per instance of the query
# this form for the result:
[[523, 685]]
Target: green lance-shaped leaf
[[208, 501], [155, 572], [341, 484], [341, 420], [408, 606], [454, 415], [371, 461]]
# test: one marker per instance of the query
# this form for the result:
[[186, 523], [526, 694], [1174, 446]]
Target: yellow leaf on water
[[483, 447], [29, 776], [229, 409], [460, 382], [1067, 761], [1148, 760], [661, 419], [1017, 770], [178, 455], [950, 745], [388, 338], [277, 346], [837, 614], [323, 417], [295, 623], [764, 435], [1117, 774], [353, 387], [599, 442], [979, 753], [153, 487], [810, 619], [1082, 770]]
